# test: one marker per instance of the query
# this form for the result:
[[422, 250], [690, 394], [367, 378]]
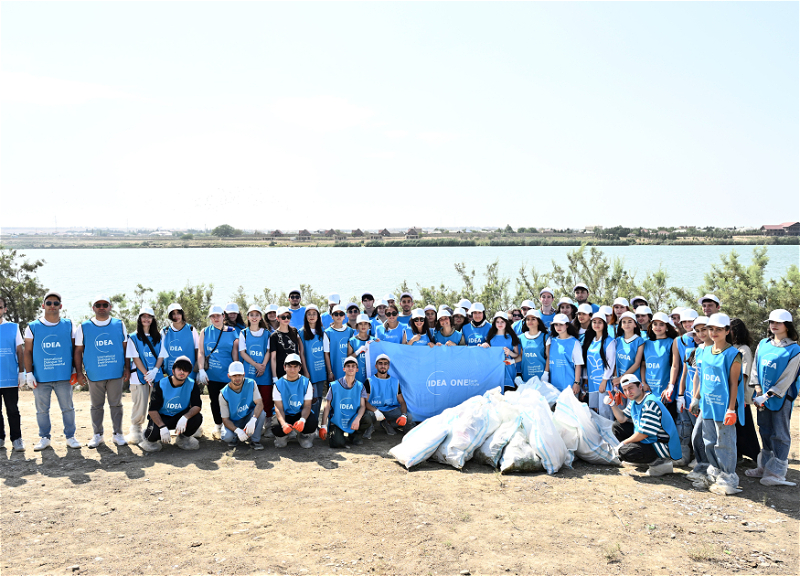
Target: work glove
[[694, 407], [73, 379], [619, 398], [680, 403], [251, 426], [202, 377], [150, 376], [299, 425], [180, 428], [545, 377], [609, 400], [21, 379], [274, 379], [667, 394], [379, 416], [164, 431], [287, 428], [760, 400], [323, 432], [402, 420], [241, 434], [616, 449], [30, 380], [730, 418]]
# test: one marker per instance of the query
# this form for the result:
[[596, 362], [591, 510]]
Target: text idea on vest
[[49, 344], [346, 406], [103, 342], [174, 405], [711, 378], [653, 365], [767, 363]]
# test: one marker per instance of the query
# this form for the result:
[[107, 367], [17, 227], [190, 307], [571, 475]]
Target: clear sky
[[310, 115]]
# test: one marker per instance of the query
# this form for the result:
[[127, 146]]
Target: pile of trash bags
[[516, 432]]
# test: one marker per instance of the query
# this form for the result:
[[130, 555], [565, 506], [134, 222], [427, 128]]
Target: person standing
[[368, 302], [297, 311], [599, 355], [547, 312], [478, 328], [254, 353], [406, 304], [178, 338], [339, 335], [233, 317], [327, 319], [218, 347], [519, 326], [581, 293], [100, 348], [357, 345], [445, 334], [314, 368], [657, 361], [533, 342], [564, 356], [501, 335], [141, 350], [284, 341], [391, 331], [380, 317], [710, 304], [12, 375], [49, 351]]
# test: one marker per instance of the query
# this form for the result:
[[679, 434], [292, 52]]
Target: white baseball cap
[[443, 314], [351, 305], [349, 360], [548, 290], [500, 314], [628, 314], [599, 316], [560, 319], [720, 320], [172, 307], [460, 311], [662, 317], [607, 310], [334, 298], [417, 313], [629, 379], [676, 311], [381, 302], [363, 318], [312, 307], [700, 320], [643, 310], [534, 313], [367, 294], [566, 300], [147, 310], [642, 298], [585, 309], [216, 309], [430, 307], [476, 307], [688, 314], [621, 302], [780, 315], [382, 357], [527, 304], [464, 303], [295, 290], [255, 308], [409, 294], [389, 297], [235, 368], [99, 298], [283, 310], [292, 358], [231, 307], [338, 308], [580, 285], [709, 297], [272, 308]]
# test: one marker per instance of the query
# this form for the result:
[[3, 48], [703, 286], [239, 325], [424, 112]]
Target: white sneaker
[[41, 444], [187, 442], [148, 446], [119, 439], [96, 440], [660, 468], [199, 432], [281, 442], [306, 441], [72, 443], [217, 433], [18, 445], [134, 437]]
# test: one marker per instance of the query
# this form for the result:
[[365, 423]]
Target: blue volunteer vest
[[475, 335], [145, 355], [518, 326], [256, 348], [594, 364], [534, 355], [314, 353], [292, 394], [9, 363], [240, 404], [52, 351], [383, 393], [345, 404], [455, 338], [103, 353], [626, 353], [499, 341], [562, 367], [298, 317], [178, 343], [393, 335], [221, 359], [656, 359], [612, 330], [685, 342], [357, 344], [771, 361], [176, 400], [338, 349], [688, 393], [548, 318], [714, 390], [424, 339], [326, 320], [667, 423]]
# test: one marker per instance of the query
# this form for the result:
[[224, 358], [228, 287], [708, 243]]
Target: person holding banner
[[141, 350], [445, 334], [502, 336], [314, 339], [344, 409], [430, 317], [475, 332], [356, 346], [386, 404], [255, 355], [391, 330], [459, 319], [336, 347], [533, 344], [564, 355], [417, 333], [178, 338]]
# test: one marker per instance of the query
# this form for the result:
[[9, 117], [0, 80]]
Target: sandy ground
[[117, 510]]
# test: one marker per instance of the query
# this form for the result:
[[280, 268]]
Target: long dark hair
[[238, 323], [671, 332], [262, 323], [155, 335], [570, 330], [509, 332], [539, 323], [621, 332], [791, 331], [308, 333], [588, 338], [423, 331]]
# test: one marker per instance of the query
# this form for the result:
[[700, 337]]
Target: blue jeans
[[229, 436], [720, 444], [41, 394], [698, 445], [775, 430]]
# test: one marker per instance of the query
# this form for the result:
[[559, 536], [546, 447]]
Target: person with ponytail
[[630, 349], [657, 361], [254, 352], [314, 340], [501, 335], [141, 350], [600, 358], [564, 355], [533, 343]]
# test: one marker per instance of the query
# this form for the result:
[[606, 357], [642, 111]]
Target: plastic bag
[[581, 434], [423, 440], [490, 451], [544, 437], [519, 455], [547, 390], [467, 433]]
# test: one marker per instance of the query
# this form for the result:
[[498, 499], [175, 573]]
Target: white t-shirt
[[577, 352], [79, 330], [276, 395], [163, 353], [132, 352], [29, 334], [326, 343], [243, 340], [225, 411], [18, 341]]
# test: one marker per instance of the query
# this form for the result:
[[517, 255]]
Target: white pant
[[140, 394]]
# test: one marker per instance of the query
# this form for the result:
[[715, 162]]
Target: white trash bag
[[581, 434], [544, 437], [467, 433], [423, 440], [490, 451], [546, 389], [519, 455]]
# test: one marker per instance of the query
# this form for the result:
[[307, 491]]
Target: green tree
[[20, 287], [187, 236], [225, 231]]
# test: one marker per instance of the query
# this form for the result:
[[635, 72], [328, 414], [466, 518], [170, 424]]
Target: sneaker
[[390, 431], [723, 489], [217, 433], [199, 432], [96, 440], [18, 445], [41, 444], [306, 441], [281, 442], [134, 436], [72, 443], [148, 446], [256, 445], [119, 439], [358, 440], [660, 468], [187, 442], [696, 476], [368, 433]]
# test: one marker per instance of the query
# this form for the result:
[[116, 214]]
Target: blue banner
[[433, 379]]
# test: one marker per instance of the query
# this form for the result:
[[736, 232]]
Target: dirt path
[[234, 511]]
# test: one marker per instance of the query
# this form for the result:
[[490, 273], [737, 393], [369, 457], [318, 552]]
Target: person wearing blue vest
[[564, 356], [178, 338], [406, 305], [644, 315], [344, 409], [694, 363], [141, 350], [600, 358], [775, 379], [501, 335], [547, 311], [357, 345], [352, 310], [314, 368], [233, 317], [218, 347], [100, 349], [445, 333], [583, 317], [519, 326], [418, 333], [721, 396], [581, 293], [326, 318], [391, 330], [645, 429], [297, 311], [242, 409], [12, 375], [533, 342], [460, 319], [254, 352], [49, 347], [175, 404], [684, 345], [380, 318], [630, 350], [475, 332], [335, 350], [293, 397], [657, 361], [386, 404]]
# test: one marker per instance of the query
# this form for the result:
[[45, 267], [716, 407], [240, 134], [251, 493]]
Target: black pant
[[310, 425], [672, 408], [747, 437], [10, 396], [635, 452], [214, 388], [337, 439], [153, 433]]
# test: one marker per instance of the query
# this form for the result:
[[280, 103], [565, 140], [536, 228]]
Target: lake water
[[78, 274]]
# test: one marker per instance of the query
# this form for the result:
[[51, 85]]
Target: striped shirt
[[651, 425]]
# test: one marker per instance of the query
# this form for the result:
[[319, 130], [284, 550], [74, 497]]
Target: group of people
[[676, 384]]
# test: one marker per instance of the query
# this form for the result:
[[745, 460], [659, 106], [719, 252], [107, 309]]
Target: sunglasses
[[335, 314], [419, 319], [641, 315], [352, 311], [101, 305], [391, 313], [286, 317], [516, 315], [52, 303], [294, 297]]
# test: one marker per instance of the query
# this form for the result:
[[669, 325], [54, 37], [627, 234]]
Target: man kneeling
[[646, 429], [292, 396], [242, 409], [386, 404], [174, 405], [346, 402]]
